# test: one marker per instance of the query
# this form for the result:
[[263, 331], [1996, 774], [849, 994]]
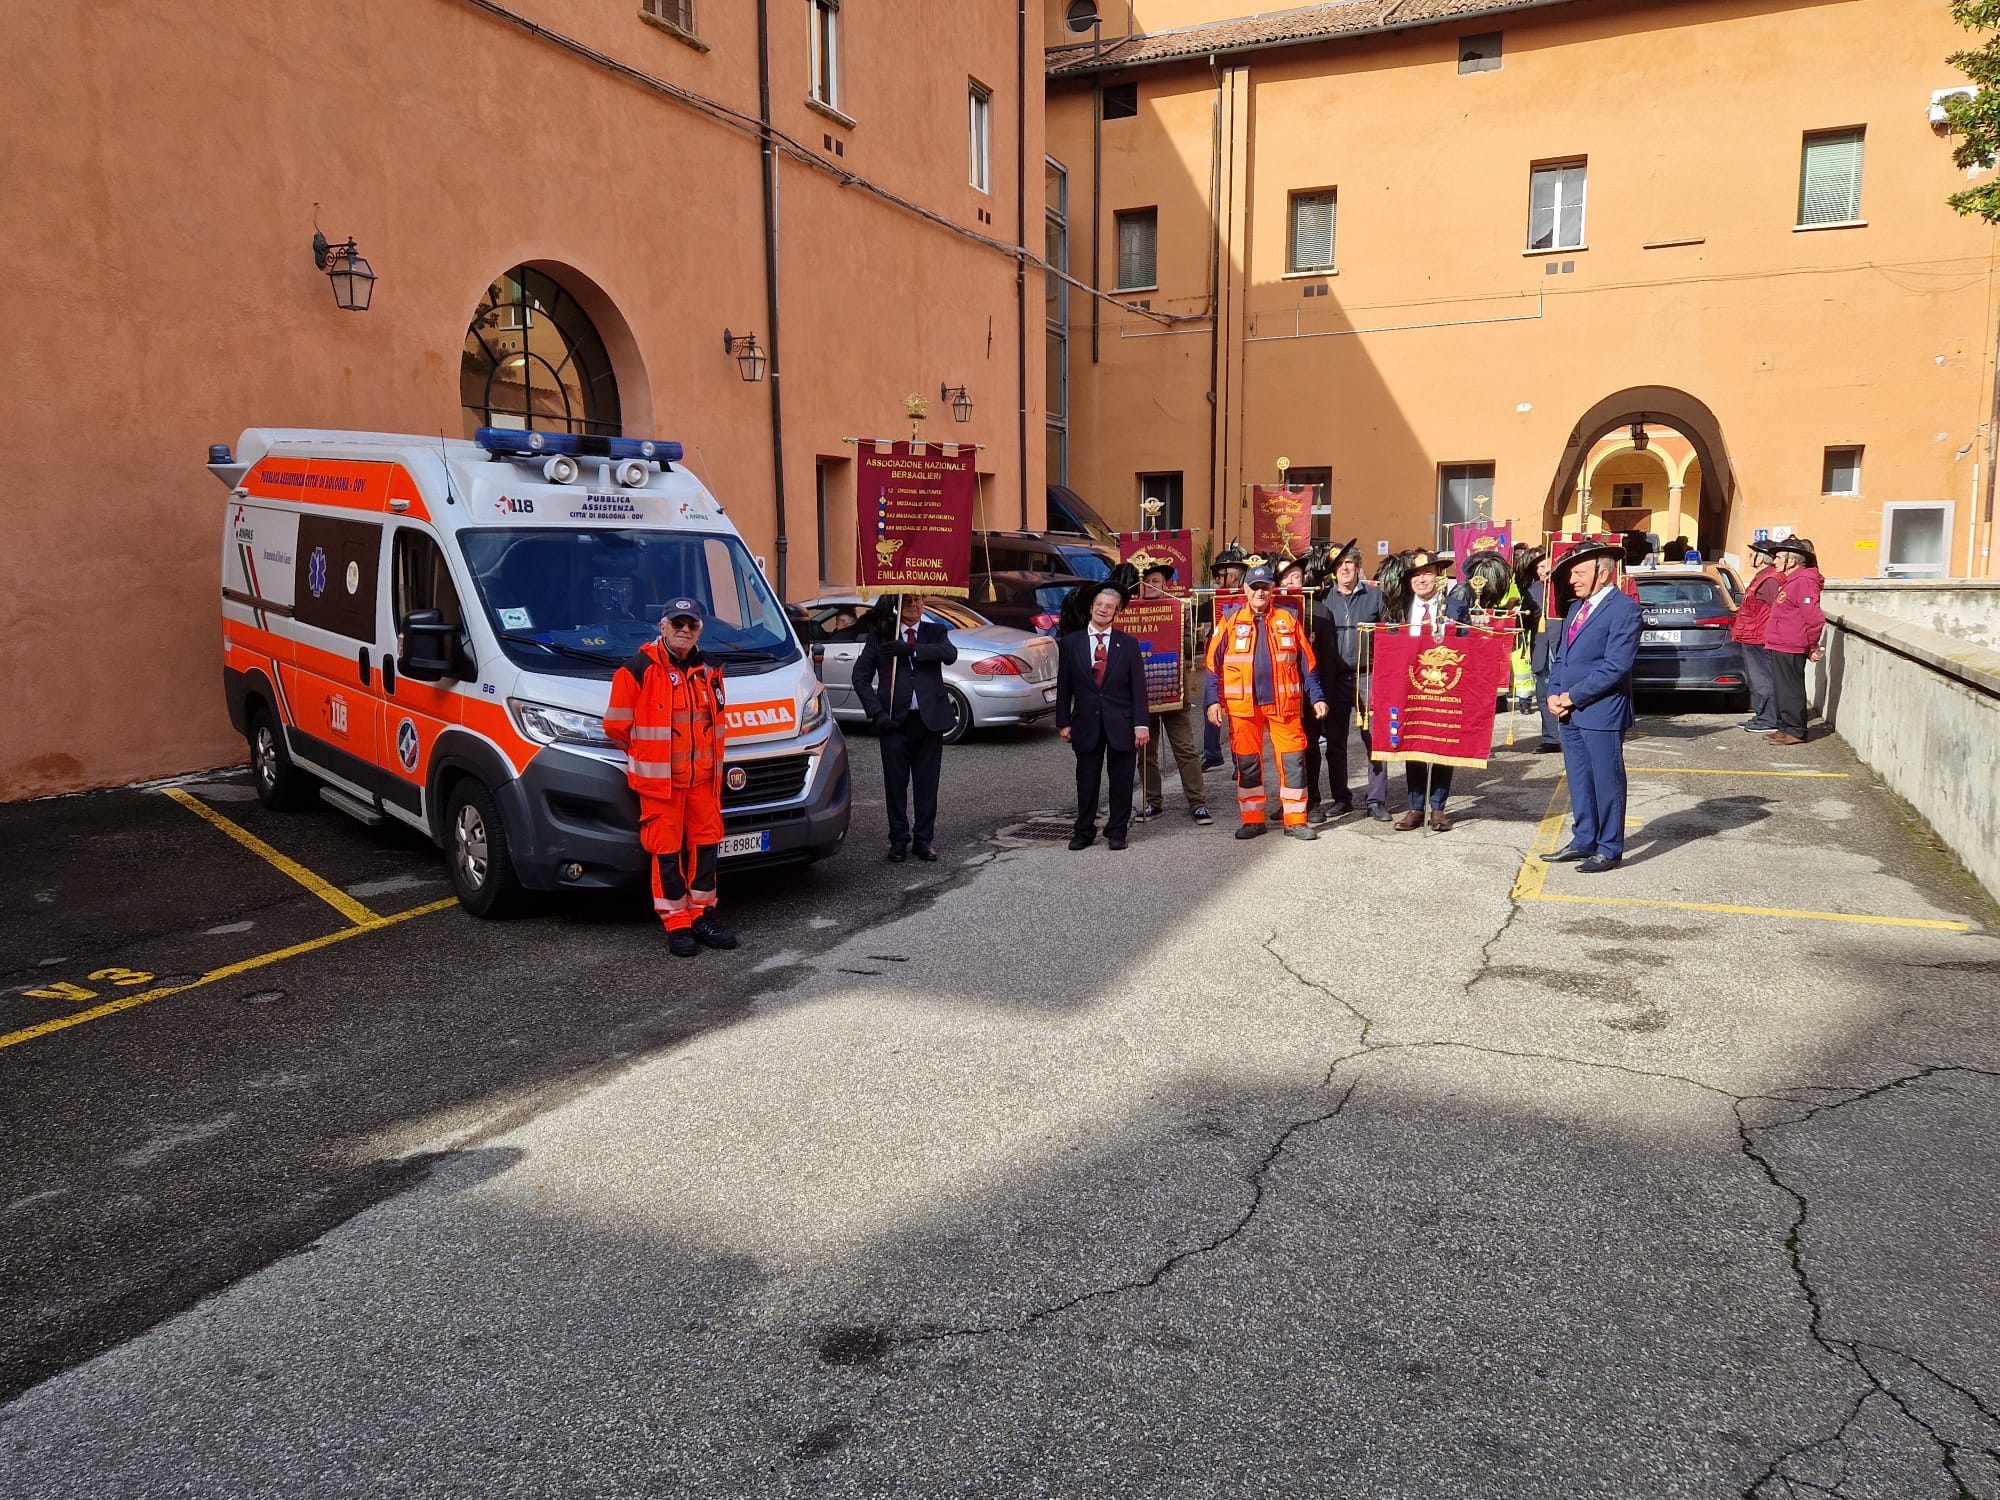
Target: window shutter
[[1312, 231], [1830, 178], [1138, 249]]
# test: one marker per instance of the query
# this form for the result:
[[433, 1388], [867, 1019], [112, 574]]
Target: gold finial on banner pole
[[1150, 508], [1284, 466], [1483, 505], [916, 407]]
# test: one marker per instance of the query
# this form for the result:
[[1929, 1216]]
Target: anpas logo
[[760, 718], [406, 744]]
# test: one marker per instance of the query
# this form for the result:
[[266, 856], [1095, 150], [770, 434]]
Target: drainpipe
[[1216, 539], [770, 155], [1981, 566], [1021, 236], [1096, 203]]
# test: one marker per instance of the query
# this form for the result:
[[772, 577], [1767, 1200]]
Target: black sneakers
[[711, 933], [680, 942]]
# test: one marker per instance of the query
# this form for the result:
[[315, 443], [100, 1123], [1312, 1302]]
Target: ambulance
[[426, 630]]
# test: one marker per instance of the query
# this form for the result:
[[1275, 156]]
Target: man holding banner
[[1172, 723], [1429, 612], [1260, 671]]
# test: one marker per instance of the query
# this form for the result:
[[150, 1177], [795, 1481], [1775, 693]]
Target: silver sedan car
[[1002, 675]]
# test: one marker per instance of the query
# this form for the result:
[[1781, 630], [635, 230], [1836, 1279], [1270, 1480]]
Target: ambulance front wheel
[[482, 868], [281, 786]]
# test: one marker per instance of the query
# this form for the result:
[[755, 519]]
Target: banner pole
[[895, 630]]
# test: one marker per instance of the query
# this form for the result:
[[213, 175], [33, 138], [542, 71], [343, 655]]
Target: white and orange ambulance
[[425, 630]]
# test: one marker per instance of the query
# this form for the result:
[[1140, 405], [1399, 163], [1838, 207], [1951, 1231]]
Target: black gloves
[[884, 723]]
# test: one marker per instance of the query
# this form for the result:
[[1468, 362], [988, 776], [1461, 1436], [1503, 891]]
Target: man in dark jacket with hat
[[1590, 682], [1791, 635], [1349, 603]]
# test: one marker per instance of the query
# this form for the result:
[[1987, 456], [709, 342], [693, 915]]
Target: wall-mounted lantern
[[1640, 440], [353, 282], [750, 360], [961, 404]]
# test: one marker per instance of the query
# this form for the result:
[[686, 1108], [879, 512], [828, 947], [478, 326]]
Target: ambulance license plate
[[1659, 637], [745, 843]]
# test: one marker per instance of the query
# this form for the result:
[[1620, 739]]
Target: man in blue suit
[[1590, 691]]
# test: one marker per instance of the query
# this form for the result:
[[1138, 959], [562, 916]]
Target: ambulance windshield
[[580, 602]]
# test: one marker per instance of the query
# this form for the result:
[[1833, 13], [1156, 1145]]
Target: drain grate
[[1036, 828]]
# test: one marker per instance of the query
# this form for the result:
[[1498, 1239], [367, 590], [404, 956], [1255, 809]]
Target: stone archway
[[1717, 508]]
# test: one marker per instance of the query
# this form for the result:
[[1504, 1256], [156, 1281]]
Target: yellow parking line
[[227, 971], [1534, 865], [331, 894], [1721, 771], [1755, 911]]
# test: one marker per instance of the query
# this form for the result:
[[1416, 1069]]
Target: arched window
[[533, 359]]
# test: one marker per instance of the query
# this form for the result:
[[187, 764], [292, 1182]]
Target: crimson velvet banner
[[915, 517], [1433, 697], [1280, 519], [1160, 629], [1470, 538], [1142, 549]]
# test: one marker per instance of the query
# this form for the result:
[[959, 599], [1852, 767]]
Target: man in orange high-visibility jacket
[[666, 715], [1260, 677]]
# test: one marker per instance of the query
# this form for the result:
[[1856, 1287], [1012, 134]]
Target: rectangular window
[[1628, 496], [1165, 488], [1830, 177], [1479, 54], [1461, 488], [1138, 249], [1312, 231], [1916, 539], [1320, 482], [678, 14], [825, 19], [833, 504], [1840, 472], [1555, 206], [1055, 190], [979, 131], [1121, 101]]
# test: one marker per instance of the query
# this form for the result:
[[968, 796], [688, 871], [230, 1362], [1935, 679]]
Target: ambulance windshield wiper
[[561, 650], [739, 653]]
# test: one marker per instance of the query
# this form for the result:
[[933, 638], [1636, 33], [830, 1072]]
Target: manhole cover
[[1036, 828]]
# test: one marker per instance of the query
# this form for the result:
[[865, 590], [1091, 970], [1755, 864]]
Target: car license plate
[[1048, 695], [1659, 637], [745, 843]]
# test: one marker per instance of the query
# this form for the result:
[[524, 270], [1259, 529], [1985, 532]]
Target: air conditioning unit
[[1938, 96]]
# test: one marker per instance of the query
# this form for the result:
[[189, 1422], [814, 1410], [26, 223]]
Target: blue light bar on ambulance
[[510, 441]]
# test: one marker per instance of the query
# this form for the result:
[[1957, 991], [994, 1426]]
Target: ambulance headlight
[[547, 725], [815, 712]]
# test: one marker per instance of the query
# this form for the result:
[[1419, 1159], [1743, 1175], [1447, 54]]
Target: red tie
[[910, 635], [1576, 624], [1097, 662]]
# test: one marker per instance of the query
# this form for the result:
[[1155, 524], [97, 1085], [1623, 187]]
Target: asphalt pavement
[[1385, 1165]]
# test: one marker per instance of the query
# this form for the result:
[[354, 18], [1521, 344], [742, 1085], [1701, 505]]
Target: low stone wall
[[1962, 608], [1922, 708]]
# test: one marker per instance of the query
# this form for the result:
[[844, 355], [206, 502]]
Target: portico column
[[1674, 519]]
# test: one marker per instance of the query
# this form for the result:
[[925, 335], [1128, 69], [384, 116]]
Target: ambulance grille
[[778, 779]]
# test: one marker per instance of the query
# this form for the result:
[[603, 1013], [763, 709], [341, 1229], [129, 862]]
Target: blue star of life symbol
[[316, 572], [406, 745]]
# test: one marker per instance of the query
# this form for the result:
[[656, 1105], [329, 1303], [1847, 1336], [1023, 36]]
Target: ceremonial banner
[[915, 517], [1158, 626], [1470, 538], [1143, 548], [1280, 519], [1432, 698]]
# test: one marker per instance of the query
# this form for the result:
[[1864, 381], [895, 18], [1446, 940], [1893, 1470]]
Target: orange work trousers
[[1288, 739], [682, 833]]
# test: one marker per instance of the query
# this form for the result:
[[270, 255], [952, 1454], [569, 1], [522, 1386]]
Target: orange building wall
[[1440, 341], [162, 169]]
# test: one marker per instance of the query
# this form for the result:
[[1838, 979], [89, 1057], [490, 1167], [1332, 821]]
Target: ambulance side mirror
[[429, 645]]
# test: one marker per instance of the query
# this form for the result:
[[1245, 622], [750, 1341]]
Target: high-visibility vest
[[1232, 656], [667, 718]]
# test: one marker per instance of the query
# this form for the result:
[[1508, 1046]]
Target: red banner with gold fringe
[[1432, 697], [915, 522]]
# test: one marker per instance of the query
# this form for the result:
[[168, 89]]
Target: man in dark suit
[[900, 682], [1101, 711], [1590, 691]]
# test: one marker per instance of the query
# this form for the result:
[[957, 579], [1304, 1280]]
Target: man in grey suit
[[900, 682]]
